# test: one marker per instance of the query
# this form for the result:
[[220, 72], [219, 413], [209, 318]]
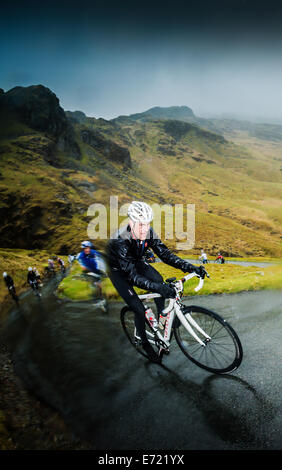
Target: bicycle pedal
[[164, 351]]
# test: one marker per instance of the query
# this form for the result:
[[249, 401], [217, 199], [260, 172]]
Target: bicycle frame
[[174, 308]]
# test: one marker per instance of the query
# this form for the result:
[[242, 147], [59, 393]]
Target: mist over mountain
[[223, 124]]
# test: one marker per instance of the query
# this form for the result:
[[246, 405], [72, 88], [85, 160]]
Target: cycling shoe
[[152, 355]]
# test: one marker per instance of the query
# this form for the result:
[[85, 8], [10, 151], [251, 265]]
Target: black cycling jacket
[[124, 252], [9, 281], [31, 276]]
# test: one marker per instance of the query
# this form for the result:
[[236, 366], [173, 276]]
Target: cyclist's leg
[[96, 278], [125, 289], [99, 286], [151, 273], [13, 292], [128, 294]]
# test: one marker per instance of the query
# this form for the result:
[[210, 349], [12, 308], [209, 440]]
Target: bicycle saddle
[[170, 279]]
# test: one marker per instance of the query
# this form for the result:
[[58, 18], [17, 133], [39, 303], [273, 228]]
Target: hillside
[[180, 113], [227, 127], [54, 164]]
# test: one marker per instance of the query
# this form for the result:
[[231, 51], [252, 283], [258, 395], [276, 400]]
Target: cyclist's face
[[87, 250], [140, 230]]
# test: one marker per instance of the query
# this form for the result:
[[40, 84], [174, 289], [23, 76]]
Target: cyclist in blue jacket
[[89, 259], [91, 262]]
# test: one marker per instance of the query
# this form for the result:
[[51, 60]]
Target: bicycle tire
[[128, 325], [224, 341]]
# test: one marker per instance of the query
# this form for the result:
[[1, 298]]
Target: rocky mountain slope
[[55, 164], [180, 113], [227, 126]]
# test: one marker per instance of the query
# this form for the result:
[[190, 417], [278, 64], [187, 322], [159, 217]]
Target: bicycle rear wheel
[[222, 353], [128, 324]]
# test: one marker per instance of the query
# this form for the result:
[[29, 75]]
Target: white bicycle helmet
[[30, 268], [140, 212], [5, 274], [86, 244]]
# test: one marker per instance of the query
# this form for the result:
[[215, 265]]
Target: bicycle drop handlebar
[[190, 276], [179, 286]]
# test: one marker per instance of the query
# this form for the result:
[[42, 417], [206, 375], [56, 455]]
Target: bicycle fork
[[186, 320]]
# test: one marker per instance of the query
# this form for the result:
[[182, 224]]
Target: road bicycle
[[203, 336], [35, 287]]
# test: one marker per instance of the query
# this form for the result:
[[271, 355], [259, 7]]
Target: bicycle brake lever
[[204, 273]]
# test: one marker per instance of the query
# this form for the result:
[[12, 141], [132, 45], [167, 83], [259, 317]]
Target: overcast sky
[[217, 57]]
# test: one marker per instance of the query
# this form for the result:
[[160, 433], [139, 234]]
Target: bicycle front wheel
[[222, 351]]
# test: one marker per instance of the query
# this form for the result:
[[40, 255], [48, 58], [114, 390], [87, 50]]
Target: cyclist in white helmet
[[128, 267], [11, 286], [31, 276]]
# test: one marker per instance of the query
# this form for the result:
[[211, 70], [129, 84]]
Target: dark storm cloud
[[225, 14], [111, 58]]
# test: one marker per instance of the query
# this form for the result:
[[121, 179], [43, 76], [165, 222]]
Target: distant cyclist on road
[[38, 277], [91, 261], [31, 276], [61, 264], [128, 268], [203, 257], [220, 259], [10, 285], [32, 279]]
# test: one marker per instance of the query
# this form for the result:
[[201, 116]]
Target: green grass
[[223, 279], [251, 259], [229, 278], [75, 286]]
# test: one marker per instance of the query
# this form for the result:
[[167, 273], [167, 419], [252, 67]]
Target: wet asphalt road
[[77, 359]]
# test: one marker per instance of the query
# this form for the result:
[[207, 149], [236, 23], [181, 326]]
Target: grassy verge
[[76, 286], [257, 260], [223, 279], [250, 259]]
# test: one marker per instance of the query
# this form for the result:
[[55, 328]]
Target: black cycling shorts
[[127, 292]]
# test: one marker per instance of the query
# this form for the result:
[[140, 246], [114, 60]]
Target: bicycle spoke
[[214, 334], [223, 347]]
